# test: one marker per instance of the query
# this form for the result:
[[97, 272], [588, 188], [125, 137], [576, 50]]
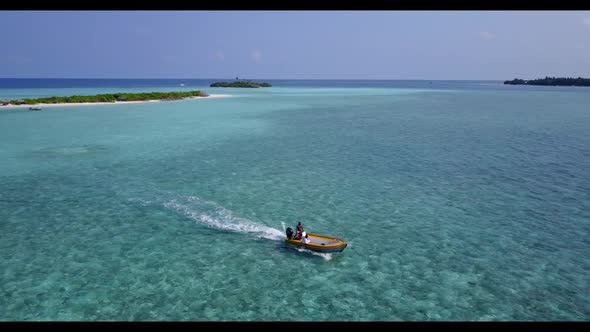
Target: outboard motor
[[289, 233]]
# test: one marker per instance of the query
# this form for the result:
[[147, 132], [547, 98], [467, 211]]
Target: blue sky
[[295, 44]]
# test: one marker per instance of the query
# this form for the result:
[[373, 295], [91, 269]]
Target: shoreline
[[109, 103]]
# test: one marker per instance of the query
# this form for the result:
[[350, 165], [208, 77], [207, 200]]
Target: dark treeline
[[111, 97], [565, 81], [240, 84]]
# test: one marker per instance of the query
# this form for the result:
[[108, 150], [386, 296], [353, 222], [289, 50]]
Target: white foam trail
[[216, 216]]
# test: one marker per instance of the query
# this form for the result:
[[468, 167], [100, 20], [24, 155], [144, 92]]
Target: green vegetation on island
[[240, 84], [111, 97], [563, 81]]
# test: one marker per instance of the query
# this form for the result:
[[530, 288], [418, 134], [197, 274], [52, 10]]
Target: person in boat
[[304, 238], [298, 231]]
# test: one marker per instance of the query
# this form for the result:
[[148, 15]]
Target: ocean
[[459, 200]]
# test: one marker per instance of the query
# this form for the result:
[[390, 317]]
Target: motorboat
[[316, 242]]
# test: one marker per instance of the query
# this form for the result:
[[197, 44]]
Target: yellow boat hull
[[320, 243]]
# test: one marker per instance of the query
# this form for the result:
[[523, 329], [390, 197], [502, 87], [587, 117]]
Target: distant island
[[562, 81], [240, 84], [106, 98]]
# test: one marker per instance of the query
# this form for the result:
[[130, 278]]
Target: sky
[[433, 45]]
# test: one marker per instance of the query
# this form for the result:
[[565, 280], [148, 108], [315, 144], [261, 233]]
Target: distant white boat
[[181, 84]]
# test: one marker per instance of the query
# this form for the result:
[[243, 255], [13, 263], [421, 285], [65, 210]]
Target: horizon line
[[284, 79]]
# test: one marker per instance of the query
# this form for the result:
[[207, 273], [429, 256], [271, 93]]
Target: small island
[[560, 81], [107, 98], [240, 84]]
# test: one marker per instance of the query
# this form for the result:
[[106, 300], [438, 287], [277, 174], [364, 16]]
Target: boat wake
[[216, 216]]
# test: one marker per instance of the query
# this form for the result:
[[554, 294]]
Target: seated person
[[305, 239], [299, 227], [298, 231]]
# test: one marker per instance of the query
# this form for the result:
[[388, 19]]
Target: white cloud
[[486, 35], [256, 55], [220, 56], [587, 22]]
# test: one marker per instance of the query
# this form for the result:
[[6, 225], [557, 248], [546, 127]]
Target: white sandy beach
[[108, 103]]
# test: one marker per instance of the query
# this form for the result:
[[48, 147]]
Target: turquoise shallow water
[[458, 204]]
